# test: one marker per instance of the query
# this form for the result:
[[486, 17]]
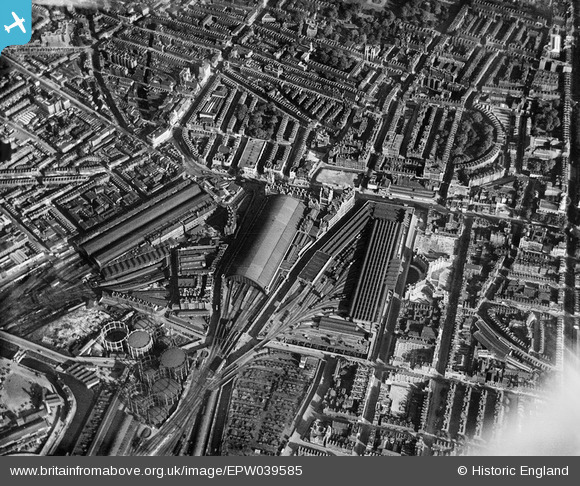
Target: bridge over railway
[[55, 355]]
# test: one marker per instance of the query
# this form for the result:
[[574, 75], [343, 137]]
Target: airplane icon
[[18, 22]]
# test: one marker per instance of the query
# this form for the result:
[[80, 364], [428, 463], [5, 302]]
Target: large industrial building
[[383, 234], [175, 210], [270, 235], [381, 266]]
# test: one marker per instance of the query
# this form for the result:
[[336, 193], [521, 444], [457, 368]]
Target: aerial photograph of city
[[290, 228]]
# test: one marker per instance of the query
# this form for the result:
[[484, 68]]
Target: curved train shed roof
[[267, 241]]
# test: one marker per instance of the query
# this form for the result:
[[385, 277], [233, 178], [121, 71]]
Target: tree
[[241, 111], [262, 121], [332, 13], [477, 117], [300, 16]]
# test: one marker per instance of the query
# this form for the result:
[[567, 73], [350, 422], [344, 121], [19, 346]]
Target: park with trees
[[474, 137], [261, 121], [358, 23], [546, 119]]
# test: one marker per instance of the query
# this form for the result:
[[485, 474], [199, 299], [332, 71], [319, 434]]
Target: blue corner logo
[[15, 22]]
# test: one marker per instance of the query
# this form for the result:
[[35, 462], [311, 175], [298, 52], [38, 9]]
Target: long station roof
[[267, 241]]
